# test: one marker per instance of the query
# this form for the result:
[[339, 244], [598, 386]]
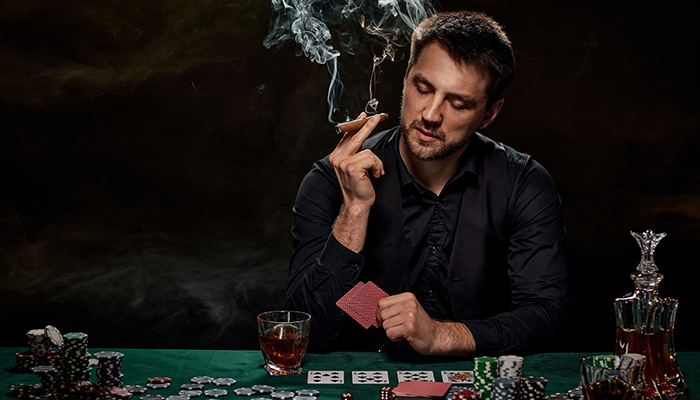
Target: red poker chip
[[466, 394], [346, 396], [120, 392], [159, 380]]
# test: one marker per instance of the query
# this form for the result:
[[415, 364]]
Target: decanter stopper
[[647, 278]]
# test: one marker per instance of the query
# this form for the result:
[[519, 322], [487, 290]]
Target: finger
[[352, 141]]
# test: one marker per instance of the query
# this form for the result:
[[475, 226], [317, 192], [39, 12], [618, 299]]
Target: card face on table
[[426, 376], [360, 303], [458, 376], [326, 377], [370, 377]]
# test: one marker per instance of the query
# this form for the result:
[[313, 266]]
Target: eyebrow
[[467, 99]]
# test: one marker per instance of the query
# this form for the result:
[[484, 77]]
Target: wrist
[[453, 338]]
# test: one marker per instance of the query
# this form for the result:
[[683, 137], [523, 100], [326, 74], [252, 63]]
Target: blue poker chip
[[202, 380], [263, 389], [215, 393], [224, 382], [282, 395], [245, 391]]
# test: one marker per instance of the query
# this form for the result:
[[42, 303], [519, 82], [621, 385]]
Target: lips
[[425, 135]]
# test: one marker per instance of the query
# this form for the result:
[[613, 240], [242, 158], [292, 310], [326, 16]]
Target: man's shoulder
[[495, 150]]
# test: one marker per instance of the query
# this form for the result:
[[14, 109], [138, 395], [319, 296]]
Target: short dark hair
[[470, 38]]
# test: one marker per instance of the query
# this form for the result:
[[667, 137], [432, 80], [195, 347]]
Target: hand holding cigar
[[357, 124]]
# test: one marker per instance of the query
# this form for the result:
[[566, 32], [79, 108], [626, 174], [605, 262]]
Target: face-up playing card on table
[[370, 377], [458, 376], [326, 377], [361, 303], [426, 376]]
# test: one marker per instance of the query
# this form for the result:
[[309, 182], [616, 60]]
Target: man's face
[[443, 103]]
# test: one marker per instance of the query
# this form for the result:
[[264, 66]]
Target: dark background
[[150, 154]]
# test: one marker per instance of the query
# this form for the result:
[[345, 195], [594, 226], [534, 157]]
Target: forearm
[[452, 338], [350, 228]]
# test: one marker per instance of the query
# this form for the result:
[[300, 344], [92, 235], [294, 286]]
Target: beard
[[431, 151]]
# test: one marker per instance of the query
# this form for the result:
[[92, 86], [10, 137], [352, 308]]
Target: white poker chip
[[158, 386], [192, 386], [54, 336], [202, 380], [282, 395], [224, 382], [177, 397], [245, 391], [190, 393], [215, 393], [263, 389], [304, 398]]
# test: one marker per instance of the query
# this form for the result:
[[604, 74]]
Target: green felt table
[[560, 369]]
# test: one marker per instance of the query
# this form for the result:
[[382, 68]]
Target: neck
[[432, 175]]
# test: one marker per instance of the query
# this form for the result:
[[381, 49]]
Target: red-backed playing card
[[365, 300], [343, 304], [422, 388]]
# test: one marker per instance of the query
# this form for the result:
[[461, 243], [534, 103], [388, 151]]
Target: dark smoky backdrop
[[150, 154]]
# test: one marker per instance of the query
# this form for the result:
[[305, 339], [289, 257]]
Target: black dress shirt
[[488, 252]]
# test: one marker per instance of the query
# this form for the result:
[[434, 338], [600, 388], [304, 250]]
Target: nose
[[432, 113]]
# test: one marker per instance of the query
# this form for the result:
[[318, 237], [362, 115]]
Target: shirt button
[[356, 267], [433, 250], [406, 286], [438, 204]]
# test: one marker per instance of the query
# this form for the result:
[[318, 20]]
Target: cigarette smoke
[[382, 27]]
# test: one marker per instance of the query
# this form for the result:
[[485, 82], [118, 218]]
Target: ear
[[491, 113]]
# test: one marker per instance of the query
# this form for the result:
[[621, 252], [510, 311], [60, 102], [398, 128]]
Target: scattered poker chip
[[119, 392], [308, 392], [282, 395], [202, 380], [159, 380], [263, 389], [190, 393], [346, 396], [54, 336], [224, 382], [304, 398], [215, 393], [177, 397], [136, 389], [192, 386], [245, 391], [152, 397], [158, 386]]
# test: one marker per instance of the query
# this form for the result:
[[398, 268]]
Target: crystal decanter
[[645, 325]]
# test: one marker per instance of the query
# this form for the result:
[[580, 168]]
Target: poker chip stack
[[38, 353], [462, 393], [51, 378], [75, 357], [485, 372], [532, 388], [510, 367], [505, 388], [108, 368], [606, 361]]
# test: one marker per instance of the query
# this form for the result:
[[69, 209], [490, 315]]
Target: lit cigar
[[357, 124]]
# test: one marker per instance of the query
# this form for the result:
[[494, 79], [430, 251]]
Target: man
[[462, 232]]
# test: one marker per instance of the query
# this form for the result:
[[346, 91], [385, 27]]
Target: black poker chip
[[308, 392], [136, 389], [224, 382], [282, 395], [192, 386], [263, 389], [245, 391], [202, 380], [215, 393]]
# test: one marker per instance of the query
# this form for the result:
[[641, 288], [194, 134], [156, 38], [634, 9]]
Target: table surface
[[560, 369]]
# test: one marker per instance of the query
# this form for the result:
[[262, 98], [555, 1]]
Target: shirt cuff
[[487, 338], [341, 261]]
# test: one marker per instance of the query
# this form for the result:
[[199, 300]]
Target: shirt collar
[[466, 169]]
